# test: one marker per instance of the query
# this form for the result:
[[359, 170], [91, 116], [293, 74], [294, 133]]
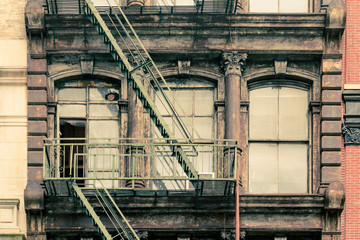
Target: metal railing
[[200, 6], [133, 72], [130, 163]]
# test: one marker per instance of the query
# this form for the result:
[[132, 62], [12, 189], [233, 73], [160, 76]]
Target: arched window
[[196, 98], [87, 111], [278, 139]]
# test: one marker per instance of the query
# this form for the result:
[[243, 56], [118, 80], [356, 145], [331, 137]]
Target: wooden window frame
[[309, 142]]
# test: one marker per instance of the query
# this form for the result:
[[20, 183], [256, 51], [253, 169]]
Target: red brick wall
[[351, 154]]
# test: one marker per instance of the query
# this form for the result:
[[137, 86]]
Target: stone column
[[136, 115], [233, 63], [135, 164]]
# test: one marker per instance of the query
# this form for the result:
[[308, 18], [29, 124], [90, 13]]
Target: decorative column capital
[[230, 235], [143, 235], [233, 62]]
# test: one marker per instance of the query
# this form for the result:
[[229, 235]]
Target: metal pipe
[[237, 204]]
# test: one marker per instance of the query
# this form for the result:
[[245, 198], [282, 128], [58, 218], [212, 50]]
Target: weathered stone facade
[[236, 53]]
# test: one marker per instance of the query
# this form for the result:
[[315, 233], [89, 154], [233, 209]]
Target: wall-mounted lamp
[[112, 96]]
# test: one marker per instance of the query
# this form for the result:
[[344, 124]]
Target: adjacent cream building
[[13, 119]]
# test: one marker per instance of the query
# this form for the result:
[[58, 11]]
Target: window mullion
[[87, 129], [278, 3], [278, 135], [278, 115]]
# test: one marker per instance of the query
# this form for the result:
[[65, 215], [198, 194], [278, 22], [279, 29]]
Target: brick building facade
[[351, 150]]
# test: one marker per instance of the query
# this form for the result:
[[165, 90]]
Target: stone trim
[[9, 209]]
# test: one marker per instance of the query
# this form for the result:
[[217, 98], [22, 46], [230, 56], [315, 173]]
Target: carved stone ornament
[[234, 62], [335, 196], [280, 67], [227, 235], [351, 134], [87, 65], [143, 235], [230, 235], [34, 15], [184, 67], [242, 235], [336, 15]]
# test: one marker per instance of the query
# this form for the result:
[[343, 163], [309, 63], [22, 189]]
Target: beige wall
[[13, 119]]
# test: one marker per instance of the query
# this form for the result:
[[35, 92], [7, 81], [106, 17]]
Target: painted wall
[[13, 119]]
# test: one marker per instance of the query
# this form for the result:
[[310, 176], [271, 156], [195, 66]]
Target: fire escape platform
[[213, 214], [62, 188]]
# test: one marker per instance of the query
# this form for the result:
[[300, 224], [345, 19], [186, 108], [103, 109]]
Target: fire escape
[[71, 167]]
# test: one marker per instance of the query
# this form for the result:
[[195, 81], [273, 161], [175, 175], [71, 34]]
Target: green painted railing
[[128, 163], [141, 73], [121, 229]]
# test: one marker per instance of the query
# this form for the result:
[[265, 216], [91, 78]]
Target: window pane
[[203, 126], [103, 158], [174, 2], [294, 6], [160, 101], [203, 163], [263, 113], [263, 5], [293, 168], [188, 122], [103, 110], [184, 98], [204, 102], [72, 94], [293, 114], [72, 110], [263, 168], [103, 129]]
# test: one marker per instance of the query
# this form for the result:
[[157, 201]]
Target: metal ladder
[[121, 226], [141, 70]]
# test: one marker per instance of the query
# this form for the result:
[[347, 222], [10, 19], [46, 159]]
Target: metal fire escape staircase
[[141, 64], [121, 228], [137, 72], [145, 78]]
